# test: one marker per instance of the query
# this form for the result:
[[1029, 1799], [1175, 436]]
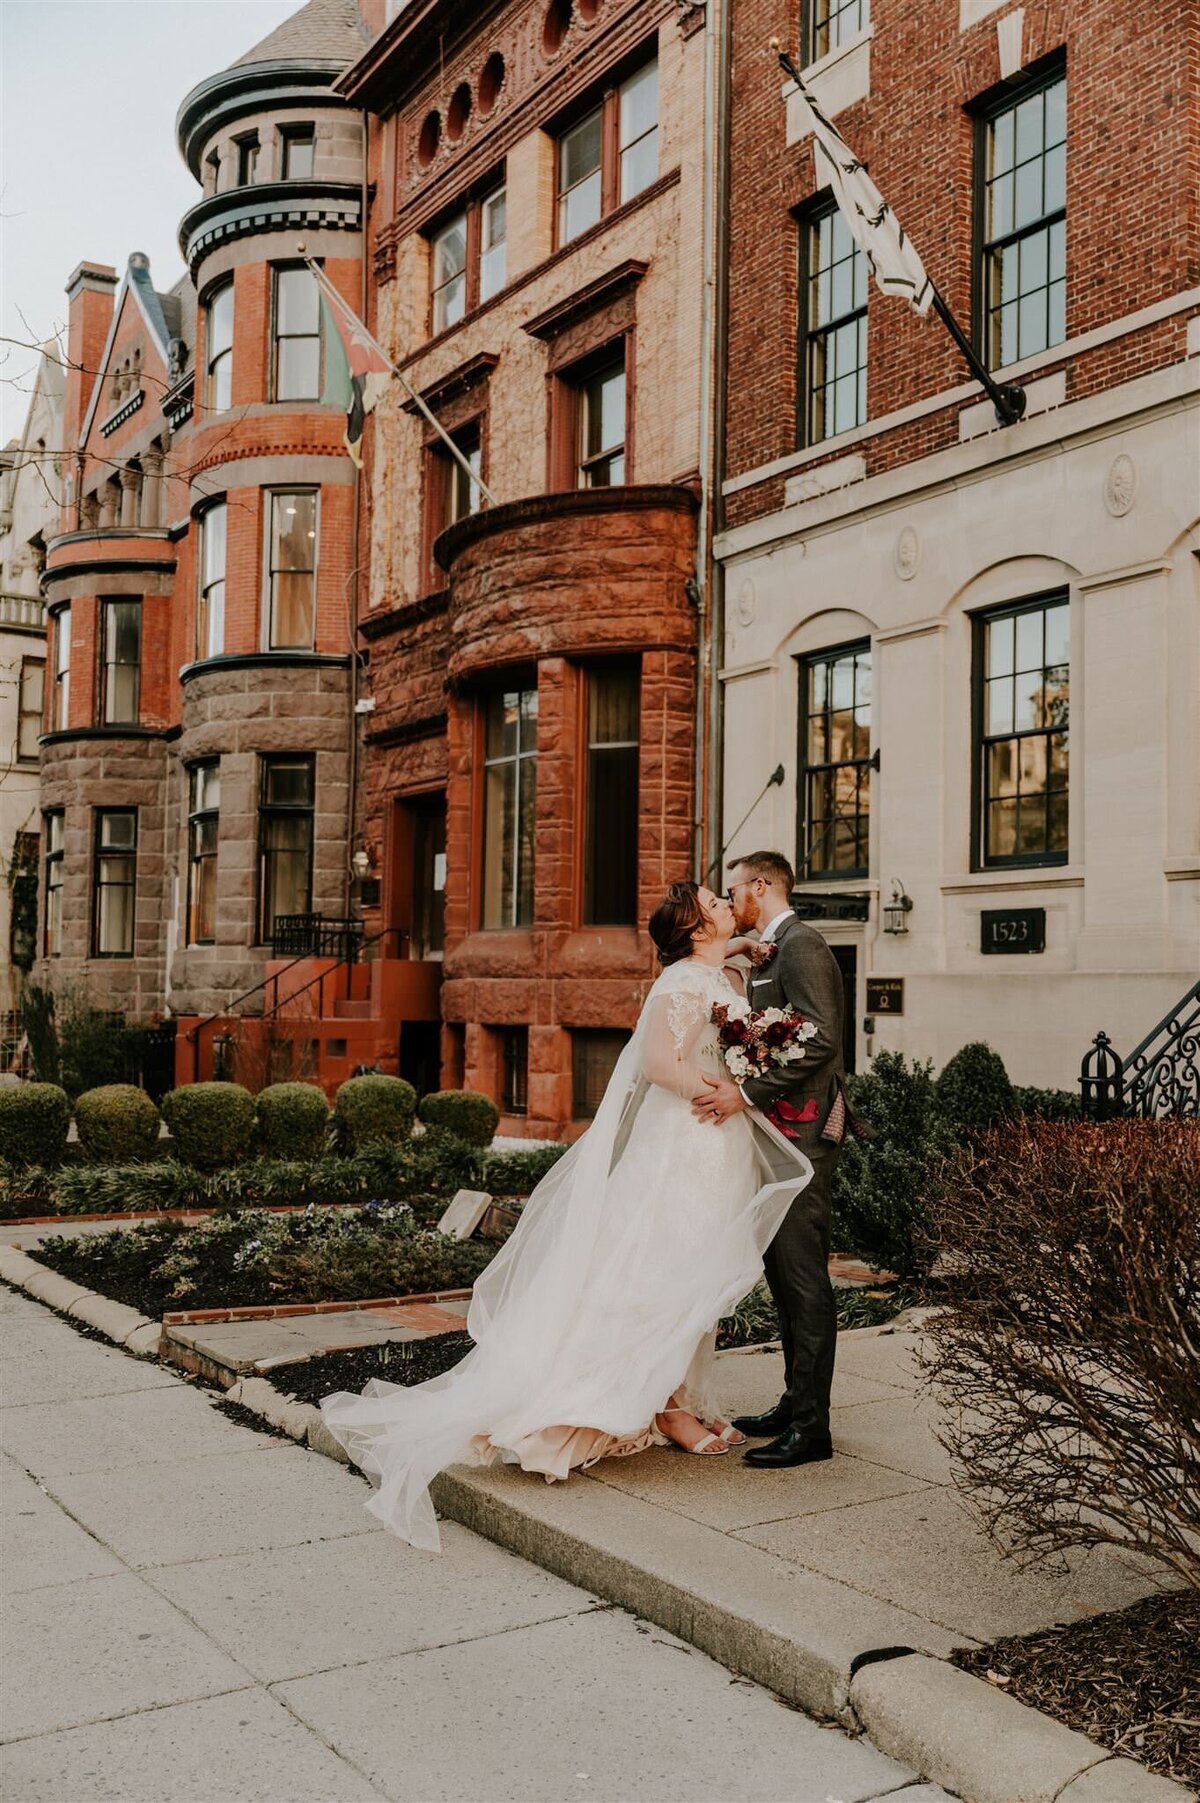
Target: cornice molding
[[599, 292], [267, 207]]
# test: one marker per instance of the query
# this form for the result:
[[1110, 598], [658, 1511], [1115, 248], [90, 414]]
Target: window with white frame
[[296, 349], [292, 570], [210, 612], [218, 342]]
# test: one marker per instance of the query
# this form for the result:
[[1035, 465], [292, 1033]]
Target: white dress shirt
[[770, 931]]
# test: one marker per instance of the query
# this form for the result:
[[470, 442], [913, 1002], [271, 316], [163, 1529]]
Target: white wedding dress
[[603, 1303]]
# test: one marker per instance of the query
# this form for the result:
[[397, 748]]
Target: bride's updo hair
[[677, 917]]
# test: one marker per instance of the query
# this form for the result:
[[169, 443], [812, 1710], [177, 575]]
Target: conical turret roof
[[322, 31]]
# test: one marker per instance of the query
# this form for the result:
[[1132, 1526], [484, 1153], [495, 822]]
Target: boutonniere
[[762, 953]]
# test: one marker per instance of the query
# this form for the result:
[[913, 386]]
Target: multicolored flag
[[357, 369]]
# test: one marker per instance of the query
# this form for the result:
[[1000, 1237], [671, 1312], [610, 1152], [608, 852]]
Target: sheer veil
[[525, 1303]]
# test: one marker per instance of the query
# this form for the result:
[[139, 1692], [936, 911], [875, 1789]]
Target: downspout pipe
[[720, 364], [700, 590]]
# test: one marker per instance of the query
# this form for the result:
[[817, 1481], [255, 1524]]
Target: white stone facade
[[1098, 497]]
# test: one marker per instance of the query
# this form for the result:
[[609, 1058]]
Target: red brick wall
[[1133, 204]]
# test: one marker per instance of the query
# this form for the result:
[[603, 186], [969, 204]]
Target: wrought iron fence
[[1160, 1080]]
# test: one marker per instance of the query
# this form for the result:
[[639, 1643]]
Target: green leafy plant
[[211, 1123], [882, 1187], [974, 1090], [34, 1121], [291, 1120], [519, 1173], [373, 1108], [117, 1124], [1046, 1104], [464, 1112]]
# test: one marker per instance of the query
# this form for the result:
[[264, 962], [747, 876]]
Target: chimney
[[90, 304]]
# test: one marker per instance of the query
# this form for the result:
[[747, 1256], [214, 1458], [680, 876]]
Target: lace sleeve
[[675, 1018]]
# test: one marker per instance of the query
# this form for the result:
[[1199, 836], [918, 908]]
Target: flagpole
[[1006, 397], [423, 409]]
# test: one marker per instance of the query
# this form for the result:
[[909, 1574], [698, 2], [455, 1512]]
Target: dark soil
[[1129, 1680], [397, 1362]]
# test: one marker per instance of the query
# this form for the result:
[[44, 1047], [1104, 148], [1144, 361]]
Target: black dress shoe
[[795, 1447], [762, 1427]]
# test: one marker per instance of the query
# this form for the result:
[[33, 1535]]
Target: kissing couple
[[594, 1325]]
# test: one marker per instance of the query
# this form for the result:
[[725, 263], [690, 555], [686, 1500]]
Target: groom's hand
[[717, 1101]]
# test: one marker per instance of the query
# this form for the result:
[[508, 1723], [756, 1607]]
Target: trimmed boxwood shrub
[[373, 1108], [211, 1123], [1046, 1104], [34, 1120], [464, 1112], [519, 1173], [290, 1121], [882, 1187], [974, 1091], [118, 1123]]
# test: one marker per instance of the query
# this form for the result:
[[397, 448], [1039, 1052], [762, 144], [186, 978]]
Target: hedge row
[[217, 1125]]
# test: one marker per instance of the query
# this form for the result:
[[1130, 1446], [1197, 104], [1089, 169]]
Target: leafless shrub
[[1069, 1354]]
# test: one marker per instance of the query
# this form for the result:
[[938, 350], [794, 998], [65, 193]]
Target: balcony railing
[[27, 611]]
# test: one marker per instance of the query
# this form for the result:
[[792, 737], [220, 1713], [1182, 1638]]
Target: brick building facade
[[974, 649], [196, 766], [536, 238]]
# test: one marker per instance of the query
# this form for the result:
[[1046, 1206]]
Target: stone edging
[[953, 1728]]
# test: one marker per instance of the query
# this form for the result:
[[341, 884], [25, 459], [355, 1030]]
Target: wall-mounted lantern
[[897, 910]]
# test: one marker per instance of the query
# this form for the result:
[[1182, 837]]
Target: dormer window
[[247, 159], [297, 147]]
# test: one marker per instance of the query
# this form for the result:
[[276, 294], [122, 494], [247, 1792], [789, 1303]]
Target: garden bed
[[1129, 1680], [257, 1259], [398, 1362]]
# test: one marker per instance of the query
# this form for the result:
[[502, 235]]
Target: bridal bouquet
[[755, 1042]]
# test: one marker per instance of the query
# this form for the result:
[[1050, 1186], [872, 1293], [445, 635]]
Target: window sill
[[1042, 876]]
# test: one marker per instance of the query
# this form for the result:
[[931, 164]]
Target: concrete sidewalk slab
[[40, 1545], [103, 1647], [137, 1429], [367, 1597], [241, 1748], [229, 1504], [44, 1364], [924, 1552], [492, 1699]]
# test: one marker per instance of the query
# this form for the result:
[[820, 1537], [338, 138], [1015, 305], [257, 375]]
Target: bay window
[[510, 721], [204, 803], [291, 570], [114, 880], [285, 840]]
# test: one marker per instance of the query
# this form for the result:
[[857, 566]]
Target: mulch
[[1129, 1680], [396, 1361]]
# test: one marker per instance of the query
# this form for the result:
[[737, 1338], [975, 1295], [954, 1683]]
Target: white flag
[[878, 233]]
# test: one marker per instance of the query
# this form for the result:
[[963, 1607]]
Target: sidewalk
[[199, 1613]]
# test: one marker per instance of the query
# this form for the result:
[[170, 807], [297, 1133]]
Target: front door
[[418, 874]]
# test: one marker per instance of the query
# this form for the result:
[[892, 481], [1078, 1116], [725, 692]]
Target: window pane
[[298, 369], [293, 552], [114, 914], [594, 1054], [493, 231], [297, 302], [610, 867], [288, 782], [639, 131], [118, 830], [205, 787], [298, 149], [1025, 297], [509, 808], [1024, 779], [579, 151], [838, 738], [212, 533], [499, 806], [580, 208]]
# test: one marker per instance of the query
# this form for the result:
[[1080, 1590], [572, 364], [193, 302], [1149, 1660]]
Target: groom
[[807, 1102]]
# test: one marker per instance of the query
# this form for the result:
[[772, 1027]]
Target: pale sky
[[89, 169]]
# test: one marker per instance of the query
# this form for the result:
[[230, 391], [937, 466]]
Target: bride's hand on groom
[[717, 1101]]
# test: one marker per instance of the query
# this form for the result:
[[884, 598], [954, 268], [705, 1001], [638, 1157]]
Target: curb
[[951, 1727]]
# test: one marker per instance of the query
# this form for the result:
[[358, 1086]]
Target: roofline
[[153, 327], [253, 87], [371, 82]]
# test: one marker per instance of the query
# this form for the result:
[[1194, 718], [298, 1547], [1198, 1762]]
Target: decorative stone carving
[[747, 602], [906, 556], [1120, 485]]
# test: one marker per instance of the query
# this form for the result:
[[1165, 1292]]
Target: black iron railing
[[316, 936], [1160, 1079]]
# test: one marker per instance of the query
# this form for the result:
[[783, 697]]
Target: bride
[[594, 1324]]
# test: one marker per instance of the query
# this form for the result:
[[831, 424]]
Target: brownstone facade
[[558, 340]]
